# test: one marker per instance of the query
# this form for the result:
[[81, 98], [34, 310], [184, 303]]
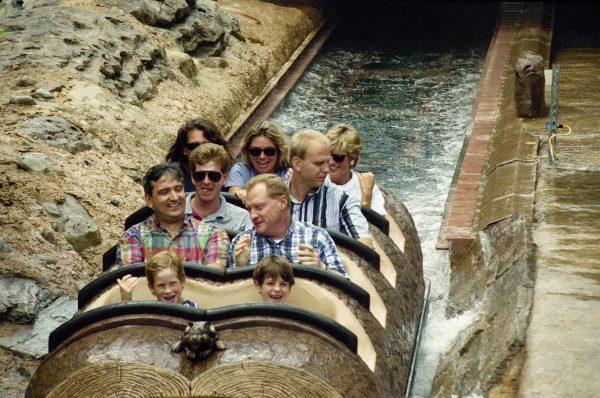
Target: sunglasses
[[268, 151], [214, 176], [193, 145], [338, 158]]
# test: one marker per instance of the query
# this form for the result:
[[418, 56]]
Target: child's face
[[273, 290], [167, 286]]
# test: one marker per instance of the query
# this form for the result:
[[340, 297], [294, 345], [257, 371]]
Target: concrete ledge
[[496, 139]]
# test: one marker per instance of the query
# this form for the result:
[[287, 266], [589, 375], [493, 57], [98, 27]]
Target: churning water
[[412, 105]]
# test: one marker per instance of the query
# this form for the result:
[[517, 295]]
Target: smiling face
[[167, 287], [270, 216], [208, 190], [262, 163], [314, 167], [273, 290], [339, 172], [168, 199]]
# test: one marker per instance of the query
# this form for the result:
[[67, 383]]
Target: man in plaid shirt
[[275, 232], [169, 228]]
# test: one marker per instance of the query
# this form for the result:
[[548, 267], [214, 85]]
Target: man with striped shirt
[[313, 200], [274, 231], [169, 228]]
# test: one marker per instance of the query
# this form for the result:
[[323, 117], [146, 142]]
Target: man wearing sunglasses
[[209, 164], [315, 202], [169, 228]]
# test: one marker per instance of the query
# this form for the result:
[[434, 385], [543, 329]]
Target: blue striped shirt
[[298, 232], [330, 207]]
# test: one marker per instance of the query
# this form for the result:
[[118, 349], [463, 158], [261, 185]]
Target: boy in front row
[[165, 276], [273, 278]]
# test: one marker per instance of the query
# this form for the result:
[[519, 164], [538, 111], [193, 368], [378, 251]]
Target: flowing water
[[411, 100]]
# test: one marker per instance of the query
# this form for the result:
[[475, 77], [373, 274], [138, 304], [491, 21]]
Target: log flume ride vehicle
[[335, 336]]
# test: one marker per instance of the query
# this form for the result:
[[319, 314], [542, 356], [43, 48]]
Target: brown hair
[[275, 186], [161, 261], [344, 139], [210, 131], [305, 138], [210, 152], [279, 138], [273, 266]]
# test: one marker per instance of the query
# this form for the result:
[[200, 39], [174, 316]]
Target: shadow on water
[[404, 74]]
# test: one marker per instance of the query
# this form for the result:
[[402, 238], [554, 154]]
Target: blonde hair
[[161, 261], [279, 138], [344, 139], [304, 139], [275, 186], [210, 152], [273, 266]]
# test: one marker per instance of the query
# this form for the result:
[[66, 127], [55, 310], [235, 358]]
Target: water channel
[[405, 75]]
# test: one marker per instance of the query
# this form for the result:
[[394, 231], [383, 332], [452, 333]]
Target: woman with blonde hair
[[265, 150], [345, 151]]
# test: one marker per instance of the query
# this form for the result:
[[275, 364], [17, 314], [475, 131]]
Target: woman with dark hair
[[194, 132], [265, 150]]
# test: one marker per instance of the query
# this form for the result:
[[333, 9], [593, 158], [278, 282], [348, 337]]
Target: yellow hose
[[554, 135]]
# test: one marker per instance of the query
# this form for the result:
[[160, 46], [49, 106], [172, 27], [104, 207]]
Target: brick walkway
[[463, 204]]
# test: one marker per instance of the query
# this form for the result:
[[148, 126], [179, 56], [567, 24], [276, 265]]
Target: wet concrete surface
[[562, 355]]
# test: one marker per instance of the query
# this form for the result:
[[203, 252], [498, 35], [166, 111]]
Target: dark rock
[[136, 176], [4, 247], [49, 236], [214, 62], [529, 85], [43, 93], [58, 132], [80, 229], [108, 51], [46, 259], [188, 68], [18, 299], [34, 340], [207, 30], [52, 209], [161, 13], [22, 100], [25, 81], [38, 162], [58, 226], [114, 201], [56, 88]]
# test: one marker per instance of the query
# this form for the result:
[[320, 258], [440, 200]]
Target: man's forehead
[[318, 149], [166, 179]]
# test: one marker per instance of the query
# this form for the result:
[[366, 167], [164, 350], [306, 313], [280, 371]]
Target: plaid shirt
[[197, 242], [298, 232], [330, 207]]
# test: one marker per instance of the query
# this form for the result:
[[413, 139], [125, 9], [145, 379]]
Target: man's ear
[[182, 280], [283, 201], [296, 163], [257, 285], [225, 175], [148, 200]]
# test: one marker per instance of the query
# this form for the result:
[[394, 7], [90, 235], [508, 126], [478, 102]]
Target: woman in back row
[[265, 150], [193, 133], [345, 151]]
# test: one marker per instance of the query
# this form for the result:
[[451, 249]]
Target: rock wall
[[492, 281], [91, 95]]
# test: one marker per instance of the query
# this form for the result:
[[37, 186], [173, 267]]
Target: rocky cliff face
[[91, 95]]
